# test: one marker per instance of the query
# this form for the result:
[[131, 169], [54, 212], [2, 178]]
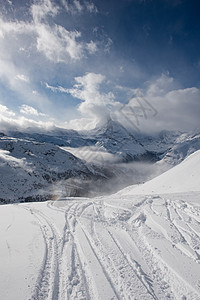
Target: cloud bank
[[27, 118], [160, 105]]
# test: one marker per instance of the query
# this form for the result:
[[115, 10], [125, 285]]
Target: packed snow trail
[[136, 247]]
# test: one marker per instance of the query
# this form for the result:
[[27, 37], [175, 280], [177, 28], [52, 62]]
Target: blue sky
[[74, 63]]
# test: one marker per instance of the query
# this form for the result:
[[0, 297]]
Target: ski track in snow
[[142, 247], [48, 277]]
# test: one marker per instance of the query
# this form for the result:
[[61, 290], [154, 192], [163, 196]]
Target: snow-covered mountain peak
[[111, 128]]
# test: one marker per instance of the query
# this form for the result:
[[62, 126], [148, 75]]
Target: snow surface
[[125, 246]]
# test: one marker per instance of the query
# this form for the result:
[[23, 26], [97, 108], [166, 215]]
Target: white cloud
[[20, 123], [19, 27], [108, 45], [12, 77], [91, 7], [161, 85], [13, 74], [95, 103], [92, 47], [27, 119], [96, 106], [34, 92], [58, 44], [9, 2], [164, 106], [4, 111], [52, 40], [42, 9], [56, 89], [29, 110], [22, 77], [77, 6]]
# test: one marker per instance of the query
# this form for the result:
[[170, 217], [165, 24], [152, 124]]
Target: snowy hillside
[[35, 171], [184, 177], [126, 246]]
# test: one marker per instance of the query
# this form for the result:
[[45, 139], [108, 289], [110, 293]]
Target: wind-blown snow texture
[[125, 246]]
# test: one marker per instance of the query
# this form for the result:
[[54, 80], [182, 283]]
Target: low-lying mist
[[116, 174]]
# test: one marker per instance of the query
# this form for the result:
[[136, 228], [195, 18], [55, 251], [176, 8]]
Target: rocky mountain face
[[185, 144], [36, 166], [31, 170]]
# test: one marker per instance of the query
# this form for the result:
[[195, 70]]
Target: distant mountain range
[[39, 166]]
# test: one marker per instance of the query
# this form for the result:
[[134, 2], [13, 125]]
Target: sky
[[77, 63]]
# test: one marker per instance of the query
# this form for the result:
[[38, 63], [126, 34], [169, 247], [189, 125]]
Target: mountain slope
[[184, 145], [32, 171], [184, 177]]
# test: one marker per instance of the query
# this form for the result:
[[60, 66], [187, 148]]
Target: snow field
[[139, 247]]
